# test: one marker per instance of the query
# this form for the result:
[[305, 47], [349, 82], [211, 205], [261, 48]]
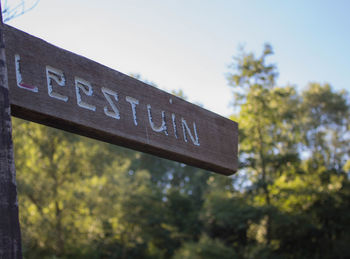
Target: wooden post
[[10, 236]]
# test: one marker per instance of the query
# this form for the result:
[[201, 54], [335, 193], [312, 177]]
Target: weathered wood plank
[[10, 236], [58, 88]]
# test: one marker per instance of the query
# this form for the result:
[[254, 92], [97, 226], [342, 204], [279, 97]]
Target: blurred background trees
[[80, 198]]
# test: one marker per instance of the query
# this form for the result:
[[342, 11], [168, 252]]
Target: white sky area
[[188, 44]]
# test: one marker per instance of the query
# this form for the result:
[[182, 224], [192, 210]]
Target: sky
[[189, 44]]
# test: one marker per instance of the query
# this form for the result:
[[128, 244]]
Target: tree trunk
[[10, 236], [265, 185]]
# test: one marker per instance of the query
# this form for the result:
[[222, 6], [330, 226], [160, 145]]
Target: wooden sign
[[57, 88]]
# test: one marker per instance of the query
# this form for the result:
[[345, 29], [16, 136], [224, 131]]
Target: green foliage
[[205, 248], [228, 217], [80, 198]]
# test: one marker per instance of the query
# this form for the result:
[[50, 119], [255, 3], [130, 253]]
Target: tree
[[57, 178], [85, 199], [294, 147], [17, 8], [206, 248], [266, 117]]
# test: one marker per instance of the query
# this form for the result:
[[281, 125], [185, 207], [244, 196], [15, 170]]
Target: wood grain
[[55, 87], [10, 235]]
